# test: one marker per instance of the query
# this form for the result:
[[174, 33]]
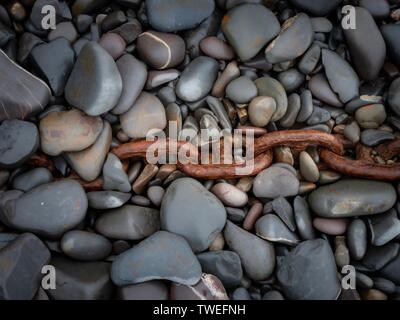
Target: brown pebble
[[149, 171], [334, 227], [217, 48], [254, 213], [113, 43]]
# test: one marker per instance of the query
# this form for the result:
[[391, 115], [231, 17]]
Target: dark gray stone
[[162, 256], [115, 178], [372, 137], [19, 140], [391, 34], [21, 263], [241, 90], [48, 210], [309, 272], [384, 228], [284, 210], [377, 257], [150, 290], [103, 200], [190, 210], [394, 96], [303, 218], [357, 239], [271, 228], [317, 7], [32, 178]]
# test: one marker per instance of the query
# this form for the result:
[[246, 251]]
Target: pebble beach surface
[[79, 193]]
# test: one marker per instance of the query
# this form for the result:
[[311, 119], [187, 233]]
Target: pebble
[[83, 22], [149, 171], [225, 265], [308, 168], [271, 228], [273, 295], [368, 56], [85, 246], [363, 281], [67, 131], [291, 79], [252, 216], [309, 272], [197, 79], [149, 290], [240, 294], [310, 59], [352, 132], [373, 294], [19, 140], [177, 15], [384, 285], [14, 105], [294, 39], [162, 256], [216, 48], [190, 210], [261, 109], [341, 76], [384, 228], [160, 50], [155, 194], [376, 258], [372, 137], [95, 84], [321, 89], [391, 33], [379, 9], [241, 90], [54, 60], [21, 267], [248, 28], [357, 239], [49, 210], [318, 116], [81, 280], [352, 197], [129, 31], [321, 24], [394, 96], [342, 255], [157, 78], [333, 227], [230, 73], [275, 182], [64, 30], [31, 179], [230, 195], [303, 218], [103, 200], [270, 87], [141, 201], [293, 109], [145, 114], [113, 43], [371, 116], [88, 163], [113, 20], [284, 210], [115, 178], [257, 255]]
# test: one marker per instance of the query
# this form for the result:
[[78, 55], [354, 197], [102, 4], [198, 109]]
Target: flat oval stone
[[341, 76], [294, 39], [177, 15], [65, 30], [17, 86], [303, 219], [310, 59], [190, 210], [103, 200], [294, 106], [216, 48], [352, 197], [394, 96], [85, 246], [321, 89], [270, 87], [48, 210], [317, 7], [157, 78], [352, 132], [357, 239], [368, 56], [248, 28], [308, 272], [230, 195], [241, 90], [160, 50], [197, 79], [318, 116], [308, 168], [54, 60], [271, 228], [65, 131], [21, 267], [372, 137], [333, 227], [261, 109], [146, 113], [81, 280], [275, 182], [32, 178], [225, 265], [19, 140], [257, 255], [129, 223], [162, 256], [134, 75], [291, 79], [95, 84], [391, 34]]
